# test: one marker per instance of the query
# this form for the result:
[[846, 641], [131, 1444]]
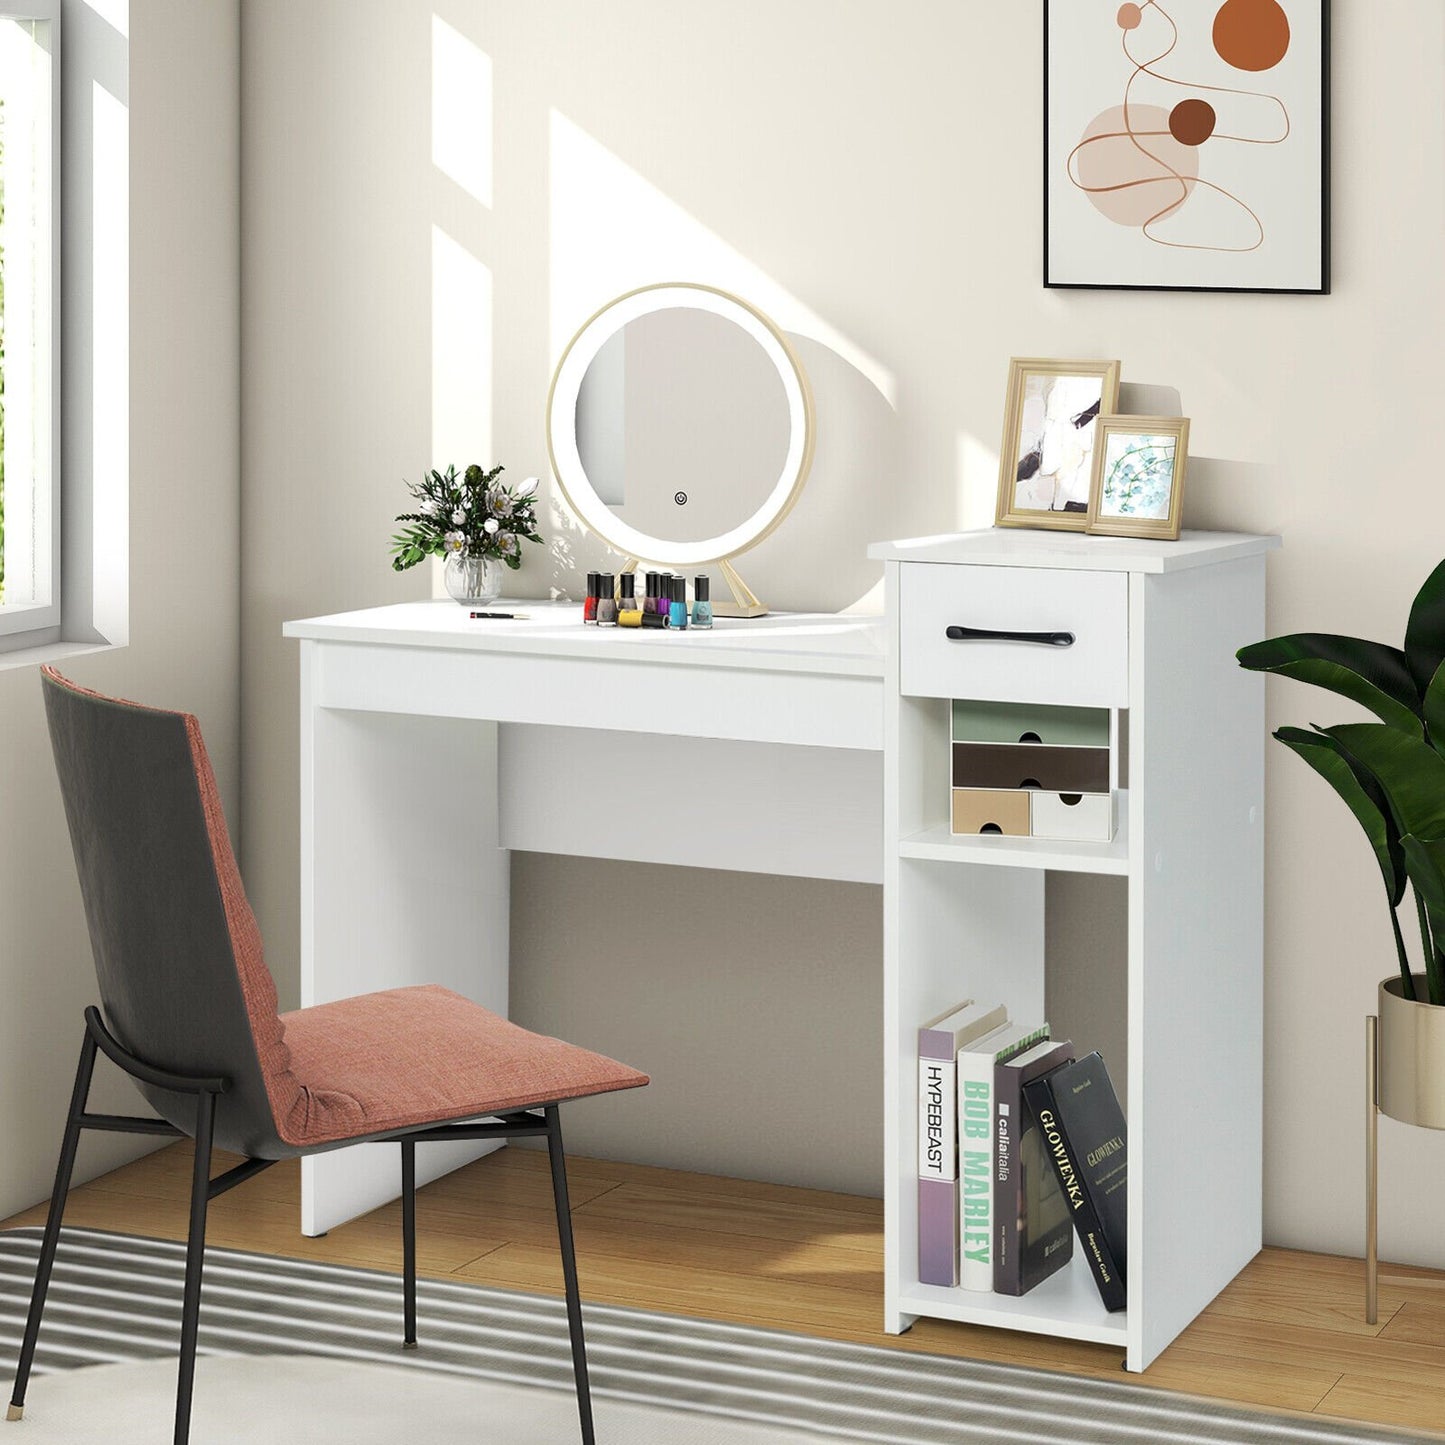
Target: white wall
[[846, 167], [175, 77]]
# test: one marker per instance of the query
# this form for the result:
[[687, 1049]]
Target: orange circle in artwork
[[1130, 17], [1191, 122], [1251, 34]]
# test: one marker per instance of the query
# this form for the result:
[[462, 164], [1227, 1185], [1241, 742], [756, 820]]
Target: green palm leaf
[[1425, 632], [1411, 773], [1369, 673], [1435, 710], [1425, 859], [1362, 794]]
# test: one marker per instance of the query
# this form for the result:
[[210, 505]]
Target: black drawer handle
[[983, 634]]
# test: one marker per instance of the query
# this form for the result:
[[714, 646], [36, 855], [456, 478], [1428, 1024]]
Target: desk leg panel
[[403, 882]]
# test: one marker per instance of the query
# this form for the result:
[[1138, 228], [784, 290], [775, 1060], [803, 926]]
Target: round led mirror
[[680, 425]]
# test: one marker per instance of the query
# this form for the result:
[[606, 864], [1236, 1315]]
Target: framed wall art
[[1186, 145], [1137, 488], [1046, 462]]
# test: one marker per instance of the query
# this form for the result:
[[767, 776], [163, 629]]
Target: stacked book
[[1020, 1148]]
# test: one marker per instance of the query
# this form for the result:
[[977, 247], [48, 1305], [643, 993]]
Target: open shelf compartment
[[1067, 1305], [940, 844]]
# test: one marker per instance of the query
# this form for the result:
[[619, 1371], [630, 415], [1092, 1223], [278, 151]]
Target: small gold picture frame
[[1138, 482], [1046, 461]]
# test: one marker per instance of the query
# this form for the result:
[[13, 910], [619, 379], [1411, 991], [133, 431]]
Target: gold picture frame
[[1130, 499], [1046, 411]]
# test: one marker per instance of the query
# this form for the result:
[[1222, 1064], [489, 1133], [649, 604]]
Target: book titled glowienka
[[939, 1041], [1084, 1137]]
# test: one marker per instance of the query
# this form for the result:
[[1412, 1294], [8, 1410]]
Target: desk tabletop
[[831, 643], [1073, 551]]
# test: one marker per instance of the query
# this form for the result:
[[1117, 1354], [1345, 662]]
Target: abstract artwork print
[[1055, 452], [1186, 144]]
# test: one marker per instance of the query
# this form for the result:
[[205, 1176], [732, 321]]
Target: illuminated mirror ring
[[562, 441]]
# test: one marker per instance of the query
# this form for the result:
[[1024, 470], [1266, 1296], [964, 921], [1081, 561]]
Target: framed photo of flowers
[[1047, 458], [1138, 482]]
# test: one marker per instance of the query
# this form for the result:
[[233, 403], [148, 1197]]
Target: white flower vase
[[473, 581]]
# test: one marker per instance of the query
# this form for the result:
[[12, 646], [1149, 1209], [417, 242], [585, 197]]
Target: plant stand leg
[[1372, 1169]]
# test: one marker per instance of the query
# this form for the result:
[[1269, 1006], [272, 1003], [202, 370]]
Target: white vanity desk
[[820, 746], [431, 744]]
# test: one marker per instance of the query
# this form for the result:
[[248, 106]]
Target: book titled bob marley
[[1082, 1131]]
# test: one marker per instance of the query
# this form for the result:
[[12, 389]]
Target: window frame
[[28, 624]]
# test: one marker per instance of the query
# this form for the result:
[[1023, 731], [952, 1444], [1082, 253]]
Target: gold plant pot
[[1411, 1056]]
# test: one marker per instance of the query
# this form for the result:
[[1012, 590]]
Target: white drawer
[[1087, 817], [1090, 671]]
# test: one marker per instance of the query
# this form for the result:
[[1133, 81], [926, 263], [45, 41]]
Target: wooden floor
[[1288, 1334]]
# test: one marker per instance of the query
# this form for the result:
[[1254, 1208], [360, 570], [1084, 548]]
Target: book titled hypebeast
[[939, 1041]]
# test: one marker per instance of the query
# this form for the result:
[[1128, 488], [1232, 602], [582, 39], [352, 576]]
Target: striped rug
[[115, 1298]]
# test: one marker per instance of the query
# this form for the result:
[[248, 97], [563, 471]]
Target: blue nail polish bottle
[[701, 601], [677, 613]]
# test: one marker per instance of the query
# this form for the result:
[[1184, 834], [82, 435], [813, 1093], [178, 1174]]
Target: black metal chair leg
[[569, 1272], [408, 1239], [195, 1258], [51, 1239]]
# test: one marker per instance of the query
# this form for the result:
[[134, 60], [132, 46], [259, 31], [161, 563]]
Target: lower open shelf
[[1066, 1305]]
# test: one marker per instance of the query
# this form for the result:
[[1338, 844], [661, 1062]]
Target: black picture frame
[[1323, 289]]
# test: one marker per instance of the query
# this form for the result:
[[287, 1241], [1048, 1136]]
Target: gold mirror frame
[[595, 515]]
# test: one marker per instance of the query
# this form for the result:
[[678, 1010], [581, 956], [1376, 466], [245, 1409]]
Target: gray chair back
[[164, 905]]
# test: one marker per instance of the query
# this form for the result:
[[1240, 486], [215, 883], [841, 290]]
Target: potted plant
[[476, 522], [1391, 775]]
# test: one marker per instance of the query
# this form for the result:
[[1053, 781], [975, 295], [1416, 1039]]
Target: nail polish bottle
[[677, 612], [649, 597], [652, 620], [701, 601], [607, 602], [629, 610], [589, 607]]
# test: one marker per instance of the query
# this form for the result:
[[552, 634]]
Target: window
[[29, 331]]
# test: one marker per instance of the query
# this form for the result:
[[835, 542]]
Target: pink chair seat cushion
[[408, 1057]]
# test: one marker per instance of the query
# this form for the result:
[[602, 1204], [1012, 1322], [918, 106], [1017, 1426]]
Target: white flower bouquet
[[467, 515]]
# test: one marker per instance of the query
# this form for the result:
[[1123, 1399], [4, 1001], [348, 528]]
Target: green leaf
[[1411, 773], [1362, 795], [1425, 859], [1435, 709], [1369, 673], [1425, 632]]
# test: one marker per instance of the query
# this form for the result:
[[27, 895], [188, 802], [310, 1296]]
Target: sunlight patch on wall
[[612, 231], [976, 491], [461, 359], [461, 111], [461, 355], [115, 13]]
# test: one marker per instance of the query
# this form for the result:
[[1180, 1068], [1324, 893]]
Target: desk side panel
[[1197, 738], [403, 882]]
